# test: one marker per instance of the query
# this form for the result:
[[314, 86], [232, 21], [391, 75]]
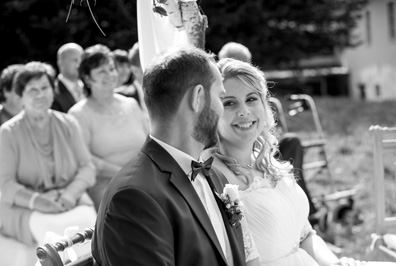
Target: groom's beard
[[205, 130]]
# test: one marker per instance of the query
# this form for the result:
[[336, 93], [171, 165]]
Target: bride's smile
[[243, 111]]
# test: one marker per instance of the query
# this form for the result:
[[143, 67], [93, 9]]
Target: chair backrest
[[301, 110], [302, 103], [384, 146], [48, 253], [279, 113]]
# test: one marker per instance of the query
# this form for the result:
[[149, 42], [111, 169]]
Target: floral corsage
[[232, 203]]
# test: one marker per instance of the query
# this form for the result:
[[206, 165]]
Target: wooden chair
[[48, 253], [384, 147]]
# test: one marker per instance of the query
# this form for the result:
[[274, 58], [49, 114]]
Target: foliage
[[35, 29], [276, 32]]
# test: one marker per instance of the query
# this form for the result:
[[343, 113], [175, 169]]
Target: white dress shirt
[[206, 196]]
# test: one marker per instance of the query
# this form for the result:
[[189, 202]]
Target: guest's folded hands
[[67, 200], [46, 204], [52, 194]]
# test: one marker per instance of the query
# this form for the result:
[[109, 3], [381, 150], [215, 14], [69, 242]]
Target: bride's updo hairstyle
[[266, 145]]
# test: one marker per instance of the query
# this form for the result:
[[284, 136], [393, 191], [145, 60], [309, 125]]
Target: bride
[[275, 207]]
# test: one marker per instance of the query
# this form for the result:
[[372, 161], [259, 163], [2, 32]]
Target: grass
[[345, 124]]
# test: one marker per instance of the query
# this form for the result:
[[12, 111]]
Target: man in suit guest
[[154, 212], [68, 86]]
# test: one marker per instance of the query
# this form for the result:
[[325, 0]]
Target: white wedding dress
[[277, 219]]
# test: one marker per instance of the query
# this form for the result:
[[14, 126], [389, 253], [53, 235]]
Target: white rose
[[232, 191]]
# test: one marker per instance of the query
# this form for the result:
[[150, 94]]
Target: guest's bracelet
[[32, 198]]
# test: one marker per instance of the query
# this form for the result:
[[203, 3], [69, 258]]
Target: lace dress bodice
[[276, 218]]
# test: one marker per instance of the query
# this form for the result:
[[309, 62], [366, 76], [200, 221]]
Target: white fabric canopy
[[155, 32]]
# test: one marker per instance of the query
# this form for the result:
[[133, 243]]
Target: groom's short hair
[[171, 74]]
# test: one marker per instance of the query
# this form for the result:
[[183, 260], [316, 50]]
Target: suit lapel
[[191, 197], [64, 97], [181, 182], [235, 236]]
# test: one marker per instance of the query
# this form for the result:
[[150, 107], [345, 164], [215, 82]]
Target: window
[[368, 27], [391, 20]]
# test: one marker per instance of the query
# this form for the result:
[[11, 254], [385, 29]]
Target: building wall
[[372, 65]]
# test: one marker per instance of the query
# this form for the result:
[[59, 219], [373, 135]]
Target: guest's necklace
[[43, 145]]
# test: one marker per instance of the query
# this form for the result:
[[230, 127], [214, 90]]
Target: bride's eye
[[228, 103], [251, 99]]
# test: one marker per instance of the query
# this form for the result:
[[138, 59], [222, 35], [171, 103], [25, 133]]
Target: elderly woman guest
[[114, 126], [45, 166]]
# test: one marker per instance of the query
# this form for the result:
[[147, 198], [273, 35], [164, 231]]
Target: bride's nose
[[243, 110]]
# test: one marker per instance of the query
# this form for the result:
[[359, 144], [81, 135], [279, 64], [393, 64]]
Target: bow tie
[[198, 167]]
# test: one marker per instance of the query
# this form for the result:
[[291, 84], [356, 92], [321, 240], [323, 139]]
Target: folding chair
[[384, 147], [279, 113], [303, 103], [48, 253]]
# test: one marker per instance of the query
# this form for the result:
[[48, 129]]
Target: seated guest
[[132, 85], [68, 87], [125, 76], [45, 166], [134, 62], [114, 126], [10, 101], [235, 50]]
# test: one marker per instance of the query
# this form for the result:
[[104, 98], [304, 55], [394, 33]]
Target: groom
[[157, 210]]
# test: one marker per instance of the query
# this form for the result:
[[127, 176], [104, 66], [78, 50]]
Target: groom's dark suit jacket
[[151, 215], [63, 99]]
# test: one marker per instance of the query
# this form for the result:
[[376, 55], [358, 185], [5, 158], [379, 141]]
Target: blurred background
[[327, 47], [340, 52]]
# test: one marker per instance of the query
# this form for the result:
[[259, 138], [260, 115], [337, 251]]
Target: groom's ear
[[197, 98]]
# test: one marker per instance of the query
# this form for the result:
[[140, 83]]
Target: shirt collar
[[182, 158], [70, 85]]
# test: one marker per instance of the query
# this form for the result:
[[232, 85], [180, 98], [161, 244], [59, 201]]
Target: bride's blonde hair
[[266, 145]]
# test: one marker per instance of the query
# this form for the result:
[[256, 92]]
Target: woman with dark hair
[[125, 76], [10, 101], [130, 74], [114, 126], [45, 166]]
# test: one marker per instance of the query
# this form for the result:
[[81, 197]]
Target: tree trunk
[[186, 15]]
